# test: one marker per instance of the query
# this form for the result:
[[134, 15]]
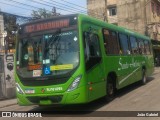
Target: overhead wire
[[73, 4], [14, 14], [34, 7], [25, 4], [49, 5], [64, 6], [98, 16], [31, 6], [14, 5]]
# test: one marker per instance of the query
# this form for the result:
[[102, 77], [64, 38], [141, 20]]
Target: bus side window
[[124, 44], [110, 42], [134, 45], [147, 47], [141, 47]]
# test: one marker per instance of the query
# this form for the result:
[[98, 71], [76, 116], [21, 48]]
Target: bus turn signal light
[[90, 88]]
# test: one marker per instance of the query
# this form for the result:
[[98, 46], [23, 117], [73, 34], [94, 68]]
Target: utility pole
[[105, 12], [145, 17]]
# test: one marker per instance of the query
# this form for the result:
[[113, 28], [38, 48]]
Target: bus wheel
[[144, 78], [110, 89]]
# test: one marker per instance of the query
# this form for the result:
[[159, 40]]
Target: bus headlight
[[74, 84], [19, 89]]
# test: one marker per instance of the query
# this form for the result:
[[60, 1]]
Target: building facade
[[98, 9], [153, 19], [142, 16]]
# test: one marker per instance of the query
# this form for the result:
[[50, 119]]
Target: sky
[[25, 7]]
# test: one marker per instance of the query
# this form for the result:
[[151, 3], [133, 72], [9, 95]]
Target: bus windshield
[[48, 54]]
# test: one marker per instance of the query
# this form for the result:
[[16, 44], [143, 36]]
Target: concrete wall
[[111, 2], [131, 15], [153, 20], [96, 8], [135, 15]]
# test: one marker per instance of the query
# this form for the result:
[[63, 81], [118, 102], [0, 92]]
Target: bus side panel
[[121, 66], [150, 65]]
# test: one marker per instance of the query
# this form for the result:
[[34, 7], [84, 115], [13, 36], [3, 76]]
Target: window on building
[[124, 46], [112, 11], [134, 45], [110, 42]]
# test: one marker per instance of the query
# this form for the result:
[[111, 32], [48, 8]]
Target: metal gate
[[2, 83]]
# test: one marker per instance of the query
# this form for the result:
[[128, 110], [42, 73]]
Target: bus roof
[[113, 27], [95, 21], [47, 19]]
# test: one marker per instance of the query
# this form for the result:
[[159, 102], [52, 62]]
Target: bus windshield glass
[[50, 54]]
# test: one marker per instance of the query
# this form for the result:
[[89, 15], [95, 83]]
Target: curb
[[8, 105], [7, 102]]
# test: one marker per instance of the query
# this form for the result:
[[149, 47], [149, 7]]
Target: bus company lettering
[[127, 65], [47, 25], [54, 89]]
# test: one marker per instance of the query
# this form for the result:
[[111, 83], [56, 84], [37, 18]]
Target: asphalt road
[[136, 97]]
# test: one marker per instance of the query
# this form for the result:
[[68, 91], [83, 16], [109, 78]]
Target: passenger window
[[141, 47], [110, 42], [124, 48], [134, 45], [147, 47]]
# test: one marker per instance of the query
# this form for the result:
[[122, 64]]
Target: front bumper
[[77, 96]]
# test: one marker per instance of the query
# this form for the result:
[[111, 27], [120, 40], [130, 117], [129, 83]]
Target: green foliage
[[10, 26], [42, 13], [10, 23]]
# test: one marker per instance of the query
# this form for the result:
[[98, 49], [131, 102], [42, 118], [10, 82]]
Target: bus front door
[[94, 66]]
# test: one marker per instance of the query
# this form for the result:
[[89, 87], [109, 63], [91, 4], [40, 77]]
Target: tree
[[43, 13], [10, 26]]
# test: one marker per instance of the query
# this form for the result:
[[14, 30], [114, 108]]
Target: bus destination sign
[[47, 25]]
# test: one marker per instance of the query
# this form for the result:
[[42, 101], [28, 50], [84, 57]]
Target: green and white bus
[[75, 59]]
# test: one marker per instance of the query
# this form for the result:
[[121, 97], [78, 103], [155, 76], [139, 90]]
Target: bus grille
[[34, 82], [37, 99]]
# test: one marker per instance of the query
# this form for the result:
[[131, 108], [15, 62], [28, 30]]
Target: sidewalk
[[7, 102], [156, 70]]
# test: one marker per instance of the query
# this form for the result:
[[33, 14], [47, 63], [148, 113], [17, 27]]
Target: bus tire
[[110, 89], [144, 78]]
